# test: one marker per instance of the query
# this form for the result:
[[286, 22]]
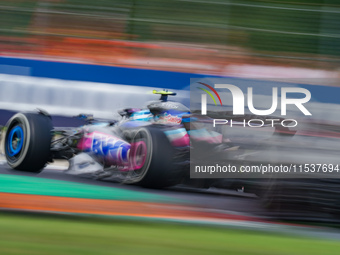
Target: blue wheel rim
[[15, 141]]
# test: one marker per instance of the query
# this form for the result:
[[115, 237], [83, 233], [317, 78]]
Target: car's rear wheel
[[151, 158], [27, 141]]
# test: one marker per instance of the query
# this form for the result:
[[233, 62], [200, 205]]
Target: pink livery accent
[[178, 137], [138, 155], [85, 142]]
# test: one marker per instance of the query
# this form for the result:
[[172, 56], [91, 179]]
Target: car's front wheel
[[27, 141]]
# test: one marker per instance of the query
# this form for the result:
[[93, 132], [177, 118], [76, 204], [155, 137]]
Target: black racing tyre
[[153, 154], [28, 141]]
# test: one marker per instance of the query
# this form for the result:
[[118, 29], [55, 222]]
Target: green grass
[[48, 235]]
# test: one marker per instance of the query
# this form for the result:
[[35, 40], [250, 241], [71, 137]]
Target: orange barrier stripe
[[86, 206], [107, 207]]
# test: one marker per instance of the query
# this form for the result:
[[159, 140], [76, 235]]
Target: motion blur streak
[[216, 37], [84, 57]]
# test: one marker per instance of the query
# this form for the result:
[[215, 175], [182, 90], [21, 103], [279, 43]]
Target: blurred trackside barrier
[[65, 97], [96, 73], [70, 89]]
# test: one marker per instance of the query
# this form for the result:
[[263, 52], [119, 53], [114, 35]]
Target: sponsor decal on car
[[169, 119], [111, 147]]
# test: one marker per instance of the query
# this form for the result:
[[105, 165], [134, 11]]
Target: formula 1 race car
[[147, 147]]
